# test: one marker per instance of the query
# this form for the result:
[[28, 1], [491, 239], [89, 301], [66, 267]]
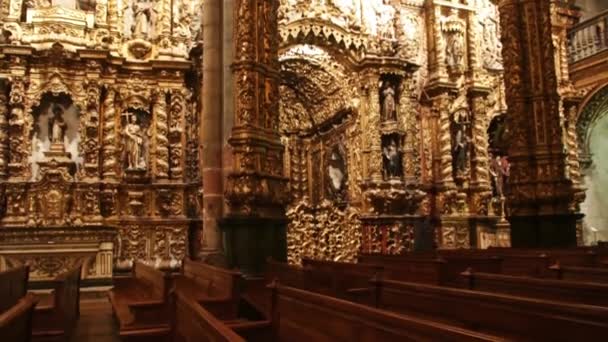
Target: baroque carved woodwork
[[93, 193], [422, 92]]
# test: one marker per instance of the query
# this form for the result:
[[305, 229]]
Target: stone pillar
[[541, 199], [211, 129], [256, 190]]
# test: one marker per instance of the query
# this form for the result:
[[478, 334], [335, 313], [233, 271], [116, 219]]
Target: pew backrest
[[155, 280], [584, 274], [299, 315], [510, 316], [551, 289], [192, 323], [217, 282], [67, 294], [13, 286], [16, 322]]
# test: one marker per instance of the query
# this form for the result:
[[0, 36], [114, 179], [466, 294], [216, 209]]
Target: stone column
[[211, 129], [256, 189], [541, 199]]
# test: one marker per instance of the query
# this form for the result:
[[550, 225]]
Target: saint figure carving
[[58, 125], [497, 176], [455, 51], [385, 21], [134, 144], [392, 160], [389, 108], [460, 143], [144, 18]]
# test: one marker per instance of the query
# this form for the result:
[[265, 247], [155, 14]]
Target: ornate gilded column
[[541, 199], [161, 133], [17, 123], [109, 136], [372, 127], [480, 176], [3, 130], [256, 190]]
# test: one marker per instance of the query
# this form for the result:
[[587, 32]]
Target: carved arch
[[592, 110]]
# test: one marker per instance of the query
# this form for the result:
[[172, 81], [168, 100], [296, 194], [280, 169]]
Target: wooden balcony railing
[[588, 38]]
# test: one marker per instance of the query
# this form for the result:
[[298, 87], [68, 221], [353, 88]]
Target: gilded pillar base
[[250, 241], [454, 233]]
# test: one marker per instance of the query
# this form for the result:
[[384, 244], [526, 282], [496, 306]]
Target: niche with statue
[[389, 98], [136, 135], [55, 133], [392, 156]]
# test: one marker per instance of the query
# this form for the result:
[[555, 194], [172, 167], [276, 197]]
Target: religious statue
[[496, 172], [455, 51], [182, 19], [58, 125], [336, 172], [385, 20], [389, 107], [391, 159], [144, 19], [347, 13], [460, 145], [134, 144]]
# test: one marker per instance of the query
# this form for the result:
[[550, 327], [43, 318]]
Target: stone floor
[[95, 324]]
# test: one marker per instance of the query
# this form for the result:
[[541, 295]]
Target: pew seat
[[512, 317], [216, 288], [57, 313], [141, 304], [16, 321], [551, 289]]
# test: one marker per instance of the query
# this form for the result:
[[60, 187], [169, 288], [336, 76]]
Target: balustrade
[[588, 38]]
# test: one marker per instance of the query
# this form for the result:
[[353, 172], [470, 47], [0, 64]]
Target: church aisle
[[95, 324]]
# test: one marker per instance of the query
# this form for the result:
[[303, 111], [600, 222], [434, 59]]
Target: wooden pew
[[428, 269], [193, 323], [141, 303], [57, 313], [584, 274], [512, 317], [550, 289], [13, 286], [16, 322], [216, 288], [339, 279], [16, 305], [581, 257], [302, 316]]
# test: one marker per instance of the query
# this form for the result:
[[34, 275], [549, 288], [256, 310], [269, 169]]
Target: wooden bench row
[[48, 317], [496, 310], [16, 305], [299, 315], [444, 267]]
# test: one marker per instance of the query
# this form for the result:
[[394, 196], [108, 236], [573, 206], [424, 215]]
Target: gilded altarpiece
[[385, 110], [99, 129]]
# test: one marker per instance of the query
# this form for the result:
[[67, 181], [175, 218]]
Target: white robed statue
[[134, 144]]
